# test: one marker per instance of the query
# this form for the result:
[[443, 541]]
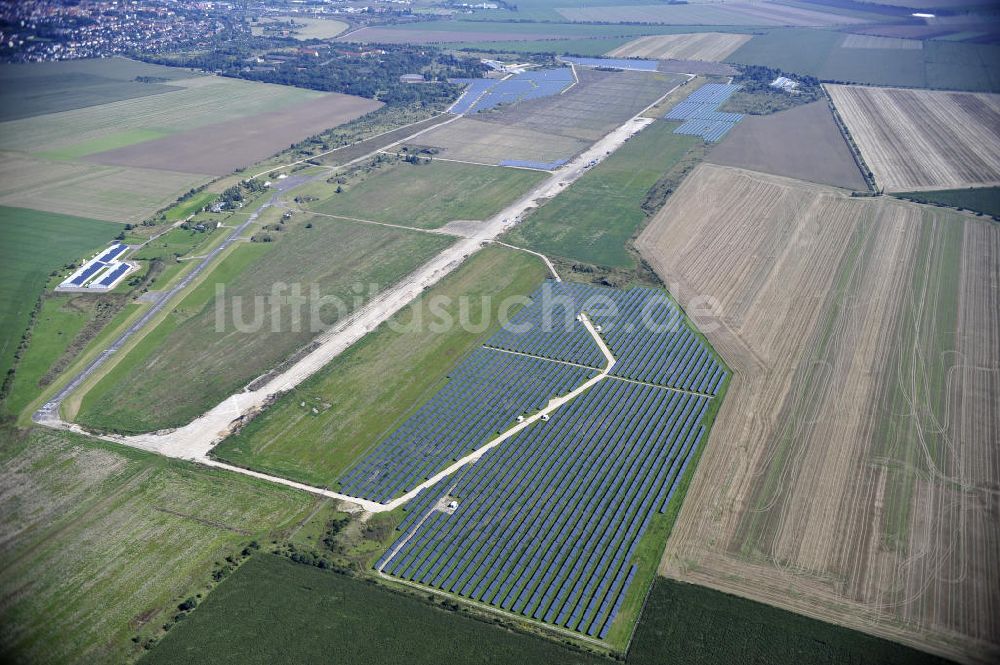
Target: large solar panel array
[[548, 522], [483, 396], [646, 333], [485, 94], [112, 253], [699, 111], [615, 63]]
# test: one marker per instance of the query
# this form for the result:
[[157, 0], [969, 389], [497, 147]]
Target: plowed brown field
[[923, 139], [853, 473]]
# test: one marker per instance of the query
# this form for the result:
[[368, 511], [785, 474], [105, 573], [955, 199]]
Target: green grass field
[[594, 218], [939, 64], [33, 89], [684, 623], [356, 404], [189, 363], [100, 543], [272, 610], [431, 195], [61, 318], [32, 244], [982, 199]]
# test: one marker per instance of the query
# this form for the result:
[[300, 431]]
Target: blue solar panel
[[483, 94], [615, 63], [699, 112], [86, 274], [114, 274], [112, 253]]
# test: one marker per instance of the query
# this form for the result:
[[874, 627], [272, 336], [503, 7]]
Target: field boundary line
[[498, 610], [576, 79], [437, 232], [532, 355]]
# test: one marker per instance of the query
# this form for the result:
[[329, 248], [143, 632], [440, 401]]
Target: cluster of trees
[[372, 71]]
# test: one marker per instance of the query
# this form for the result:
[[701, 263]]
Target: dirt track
[[852, 473]]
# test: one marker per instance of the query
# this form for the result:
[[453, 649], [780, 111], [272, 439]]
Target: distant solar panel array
[[615, 63], [483, 94], [699, 111], [547, 523], [544, 166]]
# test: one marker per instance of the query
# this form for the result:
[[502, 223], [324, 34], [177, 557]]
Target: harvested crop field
[[49, 148], [712, 46], [922, 139], [872, 41], [803, 142], [852, 472], [221, 148], [736, 13]]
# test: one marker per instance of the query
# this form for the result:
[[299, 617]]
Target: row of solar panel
[[484, 395], [483, 94], [710, 130], [644, 329], [615, 63], [547, 523], [699, 111]]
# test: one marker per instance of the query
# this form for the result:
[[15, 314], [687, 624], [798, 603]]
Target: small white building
[[785, 83]]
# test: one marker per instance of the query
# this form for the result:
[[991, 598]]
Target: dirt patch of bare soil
[[803, 142]]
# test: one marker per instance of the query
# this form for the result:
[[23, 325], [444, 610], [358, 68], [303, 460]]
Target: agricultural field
[[713, 46], [693, 624], [354, 408], [100, 543], [189, 362], [981, 199], [595, 217], [160, 145], [715, 14], [803, 142], [211, 150], [28, 90], [615, 454], [430, 195], [475, 32], [844, 476], [347, 620], [32, 244], [821, 53], [922, 140]]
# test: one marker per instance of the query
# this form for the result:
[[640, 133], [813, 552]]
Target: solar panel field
[[700, 115], [483, 397], [484, 94], [547, 523]]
